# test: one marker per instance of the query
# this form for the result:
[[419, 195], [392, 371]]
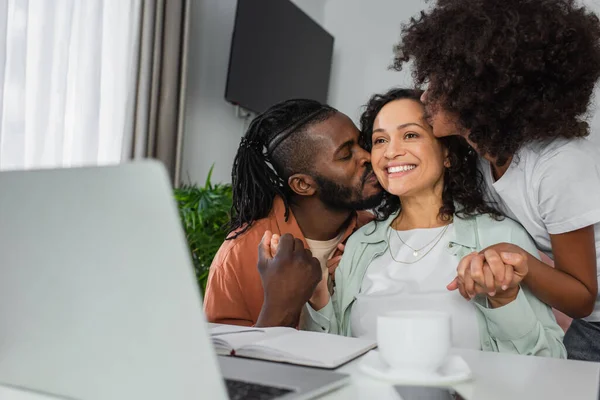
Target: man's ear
[[447, 162], [302, 184]]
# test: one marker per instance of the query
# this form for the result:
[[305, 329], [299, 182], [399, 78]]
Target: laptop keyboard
[[239, 390]]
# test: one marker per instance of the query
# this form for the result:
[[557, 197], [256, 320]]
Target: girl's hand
[[496, 272]]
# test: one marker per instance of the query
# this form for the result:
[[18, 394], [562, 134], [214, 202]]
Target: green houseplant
[[205, 215]]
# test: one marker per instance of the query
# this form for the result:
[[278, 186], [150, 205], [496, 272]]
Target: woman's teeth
[[401, 168]]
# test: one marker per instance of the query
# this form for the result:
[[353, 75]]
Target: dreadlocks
[[275, 147]]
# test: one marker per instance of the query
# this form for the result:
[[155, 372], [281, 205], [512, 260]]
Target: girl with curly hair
[[515, 79], [433, 215]]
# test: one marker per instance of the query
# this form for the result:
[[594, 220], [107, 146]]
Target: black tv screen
[[277, 53]]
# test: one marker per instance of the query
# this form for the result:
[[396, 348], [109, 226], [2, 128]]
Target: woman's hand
[[497, 272], [324, 290], [332, 265], [469, 287], [503, 258], [334, 261]]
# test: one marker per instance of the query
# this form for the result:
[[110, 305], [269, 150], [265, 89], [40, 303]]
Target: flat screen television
[[277, 53]]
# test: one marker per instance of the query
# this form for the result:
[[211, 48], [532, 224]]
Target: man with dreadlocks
[[299, 173]]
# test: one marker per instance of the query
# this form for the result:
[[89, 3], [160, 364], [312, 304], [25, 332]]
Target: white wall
[[594, 5], [212, 130], [365, 33]]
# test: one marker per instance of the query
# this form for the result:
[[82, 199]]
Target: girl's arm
[[571, 286]]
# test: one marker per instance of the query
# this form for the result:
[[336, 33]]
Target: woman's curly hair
[[463, 182], [513, 71]]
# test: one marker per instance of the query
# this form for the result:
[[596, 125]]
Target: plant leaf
[[205, 216]]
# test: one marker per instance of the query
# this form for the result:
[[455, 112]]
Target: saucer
[[453, 370]]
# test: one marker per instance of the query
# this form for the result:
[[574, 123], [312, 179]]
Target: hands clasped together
[[291, 276], [496, 272]]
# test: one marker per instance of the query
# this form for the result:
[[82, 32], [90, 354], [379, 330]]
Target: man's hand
[[289, 278], [325, 288], [332, 263]]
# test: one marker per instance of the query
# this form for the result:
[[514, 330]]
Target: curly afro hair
[[463, 182], [513, 71]]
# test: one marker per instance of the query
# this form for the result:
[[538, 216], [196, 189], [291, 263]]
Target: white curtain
[[67, 81]]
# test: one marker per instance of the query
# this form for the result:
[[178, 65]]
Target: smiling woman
[[434, 218], [516, 79], [408, 161], [463, 183]]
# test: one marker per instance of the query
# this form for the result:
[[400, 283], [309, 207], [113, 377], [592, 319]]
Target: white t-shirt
[[392, 286], [551, 188]]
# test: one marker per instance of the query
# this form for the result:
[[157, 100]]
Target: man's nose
[[364, 156]]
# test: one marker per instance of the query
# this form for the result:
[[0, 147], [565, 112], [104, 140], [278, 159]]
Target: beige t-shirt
[[323, 250]]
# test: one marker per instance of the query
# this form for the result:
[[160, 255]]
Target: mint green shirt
[[524, 326]]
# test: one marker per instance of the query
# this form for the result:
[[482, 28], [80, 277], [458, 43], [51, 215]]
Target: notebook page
[[309, 348], [229, 329], [233, 338]]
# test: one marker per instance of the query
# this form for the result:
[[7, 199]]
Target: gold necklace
[[439, 237], [416, 251]]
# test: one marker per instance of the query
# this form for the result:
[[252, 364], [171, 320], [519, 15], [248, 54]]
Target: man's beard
[[338, 197]]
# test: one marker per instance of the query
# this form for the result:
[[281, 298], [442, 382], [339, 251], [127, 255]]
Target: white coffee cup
[[416, 341]]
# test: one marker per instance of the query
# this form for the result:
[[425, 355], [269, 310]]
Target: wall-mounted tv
[[277, 53]]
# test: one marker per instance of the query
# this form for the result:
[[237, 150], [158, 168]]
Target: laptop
[[98, 297]]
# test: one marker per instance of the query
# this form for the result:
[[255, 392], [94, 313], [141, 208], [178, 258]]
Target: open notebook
[[288, 345]]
